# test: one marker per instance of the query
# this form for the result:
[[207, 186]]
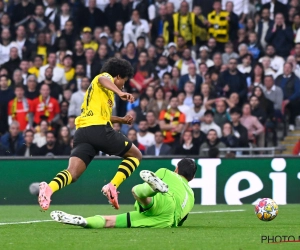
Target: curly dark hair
[[117, 67]]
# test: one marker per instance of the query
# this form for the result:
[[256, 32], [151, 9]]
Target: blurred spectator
[[45, 106], [232, 81], [55, 89], [290, 85], [144, 72], [183, 108], [204, 57], [257, 110], [6, 94], [275, 6], [91, 67], [20, 109], [28, 148], [145, 137], [262, 28], [208, 123], [64, 16], [189, 89], [37, 64], [183, 63], [113, 12], [219, 24], [198, 136], [184, 23], [191, 77], [31, 90], [13, 140], [212, 141], [51, 148], [240, 8], [159, 103], [127, 127], [163, 67], [175, 76], [75, 84], [252, 124], [40, 135], [229, 53], [17, 78], [171, 122], [280, 36], [58, 74], [273, 93], [233, 18], [24, 45], [159, 148], [71, 125], [168, 84], [69, 70], [91, 17], [228, 137], [266, 104], [254, 46], [78, 52], [77, 98], [64, 137], [217, 59], [135, 28], [68, 148], [197, 111], [221, 115], [153, 125], [160, 25], [5, 45], [276, 61], [63, 115], [141, 110], [14, 61], [22, 10], [132, 136], [186, 147]]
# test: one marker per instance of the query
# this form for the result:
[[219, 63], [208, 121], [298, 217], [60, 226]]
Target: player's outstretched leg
[[130, 163], [62, 179], [65, 218], [154, 182], [94, 222], [143, 193]]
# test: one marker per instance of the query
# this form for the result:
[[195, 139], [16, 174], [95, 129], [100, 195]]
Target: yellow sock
[[62, 179], [125, 169]]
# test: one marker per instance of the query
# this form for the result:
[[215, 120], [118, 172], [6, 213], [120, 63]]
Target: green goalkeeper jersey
[[181, 191]]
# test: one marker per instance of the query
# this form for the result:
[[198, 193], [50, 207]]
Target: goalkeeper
[[164, 200]]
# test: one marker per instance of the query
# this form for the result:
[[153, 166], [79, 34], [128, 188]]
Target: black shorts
[[88, 141]]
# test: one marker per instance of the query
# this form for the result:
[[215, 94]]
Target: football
[[266, 209]]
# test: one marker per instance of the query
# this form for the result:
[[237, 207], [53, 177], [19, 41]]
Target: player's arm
[[127, 119], [108, 84]]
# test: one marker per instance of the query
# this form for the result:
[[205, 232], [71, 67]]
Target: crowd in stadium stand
[[207, 74]]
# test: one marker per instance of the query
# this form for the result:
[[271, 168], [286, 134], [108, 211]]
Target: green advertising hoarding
[[218, 181]]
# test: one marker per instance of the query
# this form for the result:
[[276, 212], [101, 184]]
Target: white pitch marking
[[217, 211], [23, 222]]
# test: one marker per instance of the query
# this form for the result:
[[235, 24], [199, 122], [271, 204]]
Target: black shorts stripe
[[58, 182], [128, 220], [132, 161], [123, 171], [125, 164]]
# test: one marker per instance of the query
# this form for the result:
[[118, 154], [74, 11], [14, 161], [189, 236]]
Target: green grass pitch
[[206, 230]]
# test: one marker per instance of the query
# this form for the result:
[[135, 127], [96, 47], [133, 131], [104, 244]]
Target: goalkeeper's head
[[186, 168]]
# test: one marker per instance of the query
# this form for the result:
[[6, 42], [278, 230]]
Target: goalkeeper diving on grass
[[94, 133], [163, 200]]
